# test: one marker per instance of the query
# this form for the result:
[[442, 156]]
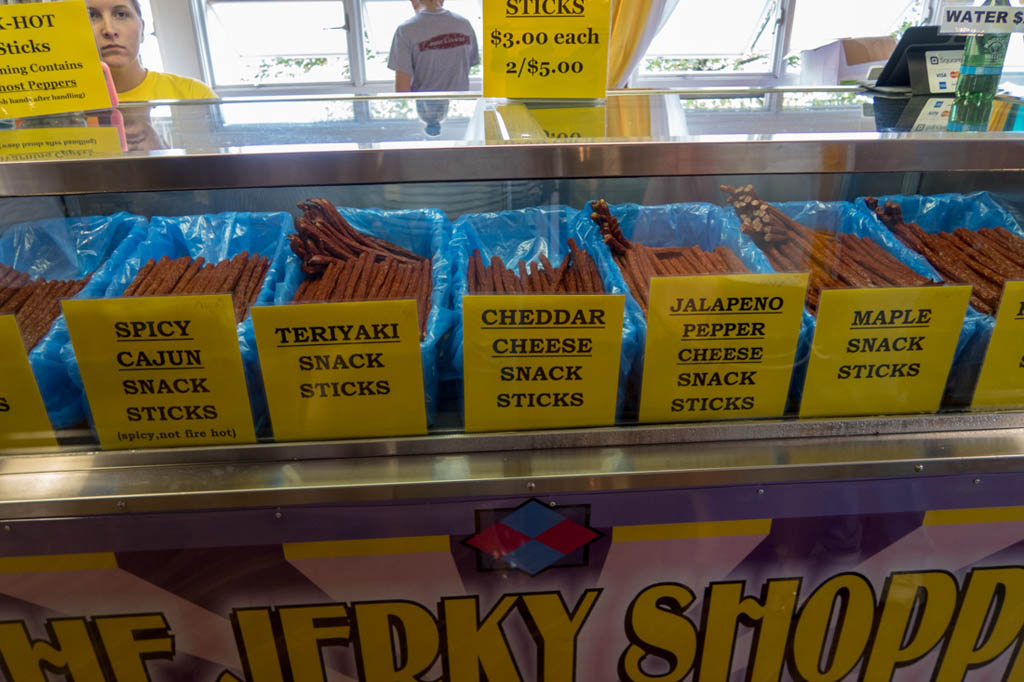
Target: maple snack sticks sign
[[546, 48]]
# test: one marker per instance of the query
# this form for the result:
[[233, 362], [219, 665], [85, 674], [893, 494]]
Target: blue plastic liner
[[215, 238], [68, 248], [425, 232], [522, 235], [946, 213], [684, 225]]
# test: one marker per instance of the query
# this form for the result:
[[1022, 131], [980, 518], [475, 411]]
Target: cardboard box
[[846, 60]]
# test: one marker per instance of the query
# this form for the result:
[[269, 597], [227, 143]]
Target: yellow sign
[[50, 63], [163, 371], [883, 351], [23, 420], [342, 370], [48, 144], [1001, 383], [720, 347], [535, 362], [546, 48]]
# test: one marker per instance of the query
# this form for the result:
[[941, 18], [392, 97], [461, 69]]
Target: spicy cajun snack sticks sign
[[163, 371]]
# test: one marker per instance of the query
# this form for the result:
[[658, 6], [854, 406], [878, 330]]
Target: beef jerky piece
[[300, 294], [642, 276], [193, 269], [140, 278], [559, 274], [172, 274], [524, 277], [362, 286], [13, 278], [548, 271], [994, 242], [732, 262], [510, 281], [13, 287], [252, 289], [14, 303], [498, 275], [152, 281], [992, 255], [382, 271], [428, 290]]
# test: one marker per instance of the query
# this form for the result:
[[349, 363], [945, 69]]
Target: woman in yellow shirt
[[118, 29]]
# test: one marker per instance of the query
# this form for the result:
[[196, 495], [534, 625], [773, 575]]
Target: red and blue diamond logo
[[532, 537]]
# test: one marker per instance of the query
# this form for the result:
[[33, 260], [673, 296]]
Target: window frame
[[355, 17]]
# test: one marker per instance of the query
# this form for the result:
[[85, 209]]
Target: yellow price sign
[[342, 370], [721, 346], [1001, 384], [47, 144], [23, 420], [51, 64], [883, 351], [536, 362], [163, 371], [546, 48]]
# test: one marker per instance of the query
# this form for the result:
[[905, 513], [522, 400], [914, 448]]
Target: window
[[267, 42], [745, 41], [150, 50], [703, 36]]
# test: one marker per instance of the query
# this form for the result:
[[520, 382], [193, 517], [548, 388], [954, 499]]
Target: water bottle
[[980, 72]]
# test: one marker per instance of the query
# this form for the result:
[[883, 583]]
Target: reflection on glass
[[139, 133], [432, 112]]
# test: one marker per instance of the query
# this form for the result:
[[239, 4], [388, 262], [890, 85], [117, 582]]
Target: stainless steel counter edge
[[772, 456], [326, 165]]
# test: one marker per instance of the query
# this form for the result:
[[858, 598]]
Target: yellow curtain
[[629, 116], [629, 18]]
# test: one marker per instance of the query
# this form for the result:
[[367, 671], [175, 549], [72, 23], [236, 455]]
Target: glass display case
[[661, 339]]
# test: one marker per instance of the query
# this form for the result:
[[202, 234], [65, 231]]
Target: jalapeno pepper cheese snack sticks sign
[[162, 371], [49, 64], [883, 351], [720, 347], [1001, 383], [546, 48], [834, 260], [342, 370], [986, 258], [534, 362], [23, 420]]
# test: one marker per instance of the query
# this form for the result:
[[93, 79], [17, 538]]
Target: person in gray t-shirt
[[433, 51]]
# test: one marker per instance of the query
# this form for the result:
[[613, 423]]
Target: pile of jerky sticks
[[640, 263], [241, 276], [342, 264]]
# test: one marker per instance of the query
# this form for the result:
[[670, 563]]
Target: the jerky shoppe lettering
[[562, 347], [841, 628], [714, 345], [342, 370], [541, 361], [338, 335], [192, 390]]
